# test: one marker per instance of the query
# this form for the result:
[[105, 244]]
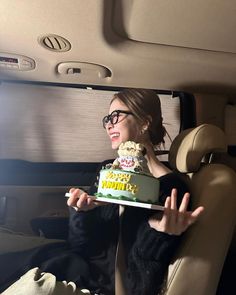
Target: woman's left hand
[[175, 221]]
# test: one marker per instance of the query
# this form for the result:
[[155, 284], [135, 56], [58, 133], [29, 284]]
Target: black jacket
[[94, 235]]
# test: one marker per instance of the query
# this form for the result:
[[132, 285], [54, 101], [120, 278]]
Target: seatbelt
[[120, 260]]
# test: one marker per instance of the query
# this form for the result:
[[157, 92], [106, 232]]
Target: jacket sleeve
[[152, 251], [148, 261], [82, 226], [85, 226]]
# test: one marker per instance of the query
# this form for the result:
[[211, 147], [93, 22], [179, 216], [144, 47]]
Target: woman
[[149, 238]]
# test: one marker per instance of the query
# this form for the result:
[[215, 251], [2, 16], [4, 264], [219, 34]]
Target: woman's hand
[[81, 201], [175, 221]]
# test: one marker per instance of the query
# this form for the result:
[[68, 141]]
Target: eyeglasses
[[114, 117]]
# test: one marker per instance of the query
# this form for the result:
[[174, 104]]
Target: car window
[[42, 123]]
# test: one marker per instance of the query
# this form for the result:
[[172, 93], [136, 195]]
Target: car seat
[[198, 263]]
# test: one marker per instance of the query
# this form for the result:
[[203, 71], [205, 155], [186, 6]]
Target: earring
[[143, 130]]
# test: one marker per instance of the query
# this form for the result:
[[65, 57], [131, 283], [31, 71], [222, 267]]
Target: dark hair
[[146, 107]]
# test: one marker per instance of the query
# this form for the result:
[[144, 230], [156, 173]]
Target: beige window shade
[[58, 124]]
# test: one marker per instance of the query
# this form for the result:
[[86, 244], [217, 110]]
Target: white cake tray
[[125, 203]]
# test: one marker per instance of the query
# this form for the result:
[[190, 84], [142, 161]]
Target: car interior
[[60, 64]]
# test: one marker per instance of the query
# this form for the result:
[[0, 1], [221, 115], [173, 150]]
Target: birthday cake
[[128, 177]]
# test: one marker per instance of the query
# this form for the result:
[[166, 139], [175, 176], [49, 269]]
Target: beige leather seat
[[197, 266]]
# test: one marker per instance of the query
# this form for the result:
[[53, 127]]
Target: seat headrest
[[190, 146]]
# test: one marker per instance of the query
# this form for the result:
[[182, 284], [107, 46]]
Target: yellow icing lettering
[[134, 189], [104, 184], [109, 175], [128, 187], [121, 186], [120, 181], [123, 177], [109, 184], [114, 185]]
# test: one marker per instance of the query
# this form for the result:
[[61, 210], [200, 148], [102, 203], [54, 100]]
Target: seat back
[[197, 265]]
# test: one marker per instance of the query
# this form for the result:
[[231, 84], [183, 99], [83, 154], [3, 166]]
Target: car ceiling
[[175, 45]]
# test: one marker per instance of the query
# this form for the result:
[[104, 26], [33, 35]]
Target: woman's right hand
[[81, 201]]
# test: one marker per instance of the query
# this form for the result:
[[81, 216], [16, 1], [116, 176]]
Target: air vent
[[55, 43]]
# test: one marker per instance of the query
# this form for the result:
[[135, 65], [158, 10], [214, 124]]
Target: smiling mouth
[[114, 136]]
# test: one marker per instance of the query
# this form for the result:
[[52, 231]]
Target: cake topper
[[131, 158]]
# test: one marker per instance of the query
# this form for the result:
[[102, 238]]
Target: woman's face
[[127, 127]]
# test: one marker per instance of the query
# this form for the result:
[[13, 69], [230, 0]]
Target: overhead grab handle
[[83, 69]]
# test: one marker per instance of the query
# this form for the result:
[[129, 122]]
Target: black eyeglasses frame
[[114, 114]]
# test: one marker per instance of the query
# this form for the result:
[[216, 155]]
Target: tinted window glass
[[59, 124]]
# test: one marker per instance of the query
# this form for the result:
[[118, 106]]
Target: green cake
[[129, 178], [126, 185]]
